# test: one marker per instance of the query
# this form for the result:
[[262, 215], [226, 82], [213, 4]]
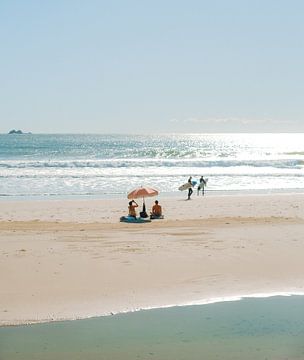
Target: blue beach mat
[[131, 219]]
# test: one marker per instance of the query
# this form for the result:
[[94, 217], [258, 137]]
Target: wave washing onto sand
[[199, 302], [211, 301]]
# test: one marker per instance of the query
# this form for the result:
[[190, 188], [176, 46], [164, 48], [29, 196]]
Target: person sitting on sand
[[132, 205], [156, 210]]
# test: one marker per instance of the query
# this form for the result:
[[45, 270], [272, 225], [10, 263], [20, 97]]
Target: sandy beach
[[72, 259]]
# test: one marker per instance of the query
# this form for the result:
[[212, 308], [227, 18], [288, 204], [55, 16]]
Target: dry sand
[[73, 259]]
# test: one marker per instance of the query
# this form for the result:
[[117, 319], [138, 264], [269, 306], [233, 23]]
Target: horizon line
[[155, 133]]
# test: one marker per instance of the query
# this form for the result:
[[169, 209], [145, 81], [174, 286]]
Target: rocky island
[[19, 132]]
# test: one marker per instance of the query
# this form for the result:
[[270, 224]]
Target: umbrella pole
[[144, 205]]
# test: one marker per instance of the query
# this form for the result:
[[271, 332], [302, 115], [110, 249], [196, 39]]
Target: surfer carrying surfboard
[[201, 186], [190, 191]]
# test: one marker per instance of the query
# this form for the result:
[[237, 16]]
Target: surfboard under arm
[[187, 185]]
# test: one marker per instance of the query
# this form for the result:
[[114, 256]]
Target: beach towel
[[131, 219]]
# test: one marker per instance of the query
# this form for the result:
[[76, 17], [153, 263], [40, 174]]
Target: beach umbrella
[[142, 192]]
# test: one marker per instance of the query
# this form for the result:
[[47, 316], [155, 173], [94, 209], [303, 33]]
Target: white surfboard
[[187, 185], [202, 184]]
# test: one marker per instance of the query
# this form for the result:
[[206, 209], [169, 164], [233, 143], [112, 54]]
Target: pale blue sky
[[151, 66]]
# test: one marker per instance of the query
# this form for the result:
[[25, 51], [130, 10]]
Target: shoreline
[[231, 298], [171, 195], [65, 260]]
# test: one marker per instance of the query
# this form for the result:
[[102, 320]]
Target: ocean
[[111, 165]]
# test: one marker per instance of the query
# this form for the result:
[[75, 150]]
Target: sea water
[[105, 165], [250, 329]]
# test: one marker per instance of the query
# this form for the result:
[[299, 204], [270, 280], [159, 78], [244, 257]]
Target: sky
[[70, 66]]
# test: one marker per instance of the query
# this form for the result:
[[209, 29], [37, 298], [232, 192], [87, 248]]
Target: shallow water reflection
[[264, 328]]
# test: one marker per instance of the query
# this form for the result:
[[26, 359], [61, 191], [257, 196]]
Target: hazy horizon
[[28, 132]]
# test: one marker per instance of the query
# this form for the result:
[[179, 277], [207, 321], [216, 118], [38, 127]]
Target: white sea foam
[[100, 164]]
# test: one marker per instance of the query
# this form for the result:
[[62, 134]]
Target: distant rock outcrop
[[18, 132]]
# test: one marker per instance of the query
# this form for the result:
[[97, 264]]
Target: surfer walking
[[201, 186], [190, 191]]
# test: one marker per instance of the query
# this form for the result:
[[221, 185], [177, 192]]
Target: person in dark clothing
[[190, 191]]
